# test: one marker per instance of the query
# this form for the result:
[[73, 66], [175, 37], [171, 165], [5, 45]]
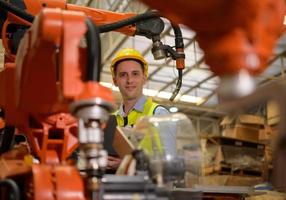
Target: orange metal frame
[[38, 84], [47, 75]]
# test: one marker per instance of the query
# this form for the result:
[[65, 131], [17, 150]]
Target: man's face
[[129, 78]]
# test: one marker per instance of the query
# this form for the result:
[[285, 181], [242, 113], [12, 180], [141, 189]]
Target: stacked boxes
[[243, 127], [238, 154]]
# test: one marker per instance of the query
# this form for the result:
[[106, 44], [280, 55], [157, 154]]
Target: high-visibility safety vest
[[147, 142]]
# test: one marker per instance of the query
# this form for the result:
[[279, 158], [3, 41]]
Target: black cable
[[16, 11], [13, 186], [179, 44], [178, 85], [129, 21], [93, 52], [102, 29]]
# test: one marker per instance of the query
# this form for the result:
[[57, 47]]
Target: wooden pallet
[[227, 170], [223, 169]]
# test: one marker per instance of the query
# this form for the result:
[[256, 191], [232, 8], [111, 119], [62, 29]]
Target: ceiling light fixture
[[109, 85], [191, 99], [150, 92], [173, 109], [164, 95]]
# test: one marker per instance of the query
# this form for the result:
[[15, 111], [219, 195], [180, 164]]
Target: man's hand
[[113, 162], [18, 151]]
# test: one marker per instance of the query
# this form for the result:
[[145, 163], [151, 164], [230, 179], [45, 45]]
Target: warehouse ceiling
[[198, 93]]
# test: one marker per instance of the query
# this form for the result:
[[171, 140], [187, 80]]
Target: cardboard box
[[122, 144], [266, 134], [273, 113], [242, 132], [250, 120], [244, 127]]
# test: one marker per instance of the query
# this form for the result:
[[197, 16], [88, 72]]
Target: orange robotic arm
[[50, 74], [235, 34]]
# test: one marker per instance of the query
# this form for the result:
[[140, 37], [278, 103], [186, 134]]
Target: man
[[129, 72]]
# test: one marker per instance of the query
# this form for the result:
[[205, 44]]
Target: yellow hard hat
[[128, 53]]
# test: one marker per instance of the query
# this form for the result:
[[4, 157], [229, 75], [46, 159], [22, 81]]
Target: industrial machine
[[50, 91], [50, 83]]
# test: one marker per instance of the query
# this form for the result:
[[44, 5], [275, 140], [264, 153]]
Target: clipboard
[[121, 144]]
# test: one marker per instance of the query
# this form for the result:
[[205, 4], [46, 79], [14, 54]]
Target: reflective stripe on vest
[[131, 119]]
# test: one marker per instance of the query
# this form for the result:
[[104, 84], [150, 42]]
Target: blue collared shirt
[[139, 106]]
